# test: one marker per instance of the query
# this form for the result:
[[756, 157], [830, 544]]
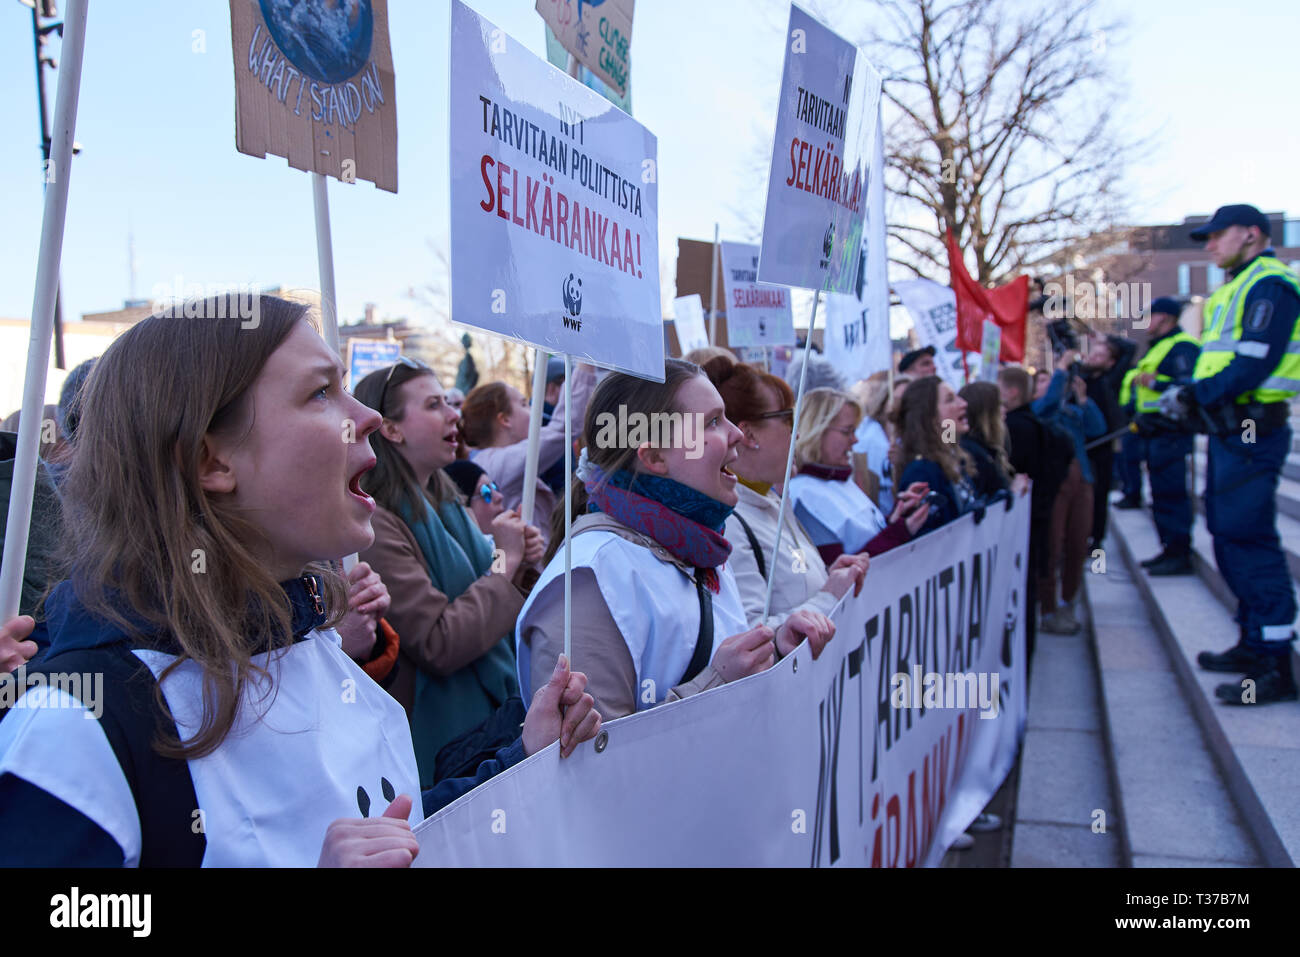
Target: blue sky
[[156, 121]]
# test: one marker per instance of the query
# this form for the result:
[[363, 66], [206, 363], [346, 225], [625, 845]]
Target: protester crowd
[[190, 531]]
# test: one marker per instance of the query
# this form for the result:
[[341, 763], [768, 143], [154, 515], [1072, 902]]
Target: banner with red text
[[877, 754], [758, 314], [821, 160], [554, 207]]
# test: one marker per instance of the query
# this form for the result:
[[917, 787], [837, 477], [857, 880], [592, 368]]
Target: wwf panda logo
[[571, 291], [828, 241]]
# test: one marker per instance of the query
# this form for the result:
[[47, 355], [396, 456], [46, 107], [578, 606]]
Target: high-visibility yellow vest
[[1148, 400], [1224, 311], [1128, 389]]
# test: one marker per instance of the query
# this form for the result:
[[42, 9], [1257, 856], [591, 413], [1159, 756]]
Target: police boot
[[1172, 563], [1236, 660], [1156, 560], [1271, 681]]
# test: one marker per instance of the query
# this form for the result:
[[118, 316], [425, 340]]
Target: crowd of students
[[306, 714]]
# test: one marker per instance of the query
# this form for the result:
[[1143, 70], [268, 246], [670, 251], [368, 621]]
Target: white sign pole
[[539, 396], [534, 435], [713, 290], [43, 300], [568, 511], [325, 263], [789, 457]]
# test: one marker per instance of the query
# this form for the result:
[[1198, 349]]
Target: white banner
[[554, 207], [878, 754], [857, 324], [821, 160], [688, 318], [758, 314], [934, 313]]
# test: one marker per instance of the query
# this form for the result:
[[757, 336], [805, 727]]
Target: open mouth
[[726, 468], [354, 484]]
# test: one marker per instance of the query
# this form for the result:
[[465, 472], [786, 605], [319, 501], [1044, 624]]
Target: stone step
[[1175, 809], [1257, 749]]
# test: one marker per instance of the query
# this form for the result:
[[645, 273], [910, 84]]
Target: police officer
[[1170, 359], [1247, 373]]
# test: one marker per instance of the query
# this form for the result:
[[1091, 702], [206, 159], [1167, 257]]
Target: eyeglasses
[[487, 489], [409, 363], [787, 414]]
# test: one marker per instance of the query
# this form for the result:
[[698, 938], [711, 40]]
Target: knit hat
[[466, 475]]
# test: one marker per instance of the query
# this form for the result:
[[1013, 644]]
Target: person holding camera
[[1245, 378], [1169, 360], [1066, 405]]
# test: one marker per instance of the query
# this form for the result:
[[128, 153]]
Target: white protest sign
[[554, 207], [688, 316], [933, 309], [758, 314], [821, 160], [857, 324], [877, 754], [990, 345]]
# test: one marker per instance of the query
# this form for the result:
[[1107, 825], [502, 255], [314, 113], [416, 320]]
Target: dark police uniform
[[1172, 359], [1247, 373]]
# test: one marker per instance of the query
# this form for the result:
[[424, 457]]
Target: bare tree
[[1002, 132]]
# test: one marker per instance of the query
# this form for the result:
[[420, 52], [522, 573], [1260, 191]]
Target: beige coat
[[800, 574]]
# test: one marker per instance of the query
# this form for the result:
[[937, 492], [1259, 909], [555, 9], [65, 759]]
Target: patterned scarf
[[685, 522], [835, 473]]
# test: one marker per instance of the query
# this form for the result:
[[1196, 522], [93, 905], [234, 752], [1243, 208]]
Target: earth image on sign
[[328, 40]]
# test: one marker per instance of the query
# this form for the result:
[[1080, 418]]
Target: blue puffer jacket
[[1083, 421]]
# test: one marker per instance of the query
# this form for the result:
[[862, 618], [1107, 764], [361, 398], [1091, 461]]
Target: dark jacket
[[989, 478], [954, 501]]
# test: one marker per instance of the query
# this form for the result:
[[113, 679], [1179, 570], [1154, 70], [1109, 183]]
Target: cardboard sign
[[367, 355], [821, 160], [597, 32], [554, 207], [758, 314], [688, 318], [314, 83], [934, 313], [857, 323]]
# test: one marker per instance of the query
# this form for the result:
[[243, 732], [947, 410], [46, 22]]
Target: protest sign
[[934, 313], [821, 160], [314, 83], [561, 59], [857, 323], [879, 753], [554, 207], [599, 36], [758, 314], [368, 355], [688, 319], [990, 346]]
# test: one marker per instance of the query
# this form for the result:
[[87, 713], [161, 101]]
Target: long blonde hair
[[137, 517], [819, 409]]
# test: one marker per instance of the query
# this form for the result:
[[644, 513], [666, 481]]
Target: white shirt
[[835, 512]]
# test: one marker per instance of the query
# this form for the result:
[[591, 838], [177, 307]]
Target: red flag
[[1007, 306], [1010, 310]]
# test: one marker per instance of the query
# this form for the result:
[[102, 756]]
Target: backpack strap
[[171, 832], [753, 544], [704, 639]]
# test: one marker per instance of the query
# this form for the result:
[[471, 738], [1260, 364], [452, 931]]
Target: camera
[[1064, 339]]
